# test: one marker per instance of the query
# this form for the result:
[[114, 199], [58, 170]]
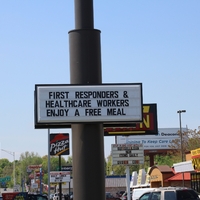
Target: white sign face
[[153, 142], [186, 166], [59, 176], [34, 185], [91, 103], [127, 154]]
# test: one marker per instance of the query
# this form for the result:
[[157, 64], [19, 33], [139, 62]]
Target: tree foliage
[[190, 141], [168, 159], [4, 162]]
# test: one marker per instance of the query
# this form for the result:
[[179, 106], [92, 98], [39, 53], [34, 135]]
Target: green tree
[[190, 141], [27, 159], [69, 160], [4, 162], [165, 159]]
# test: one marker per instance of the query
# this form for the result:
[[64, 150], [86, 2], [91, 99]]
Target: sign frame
[[128, 112]]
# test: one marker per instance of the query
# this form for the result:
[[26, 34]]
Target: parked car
[[170, 193], [120, 193], [109, 196], [37, 197], [71, 195], [51, 196], [56, 196], [124, 196], [137, 192]]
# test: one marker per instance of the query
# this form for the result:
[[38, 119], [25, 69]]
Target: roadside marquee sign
[[62, 105], [127, 154], [59, 176]]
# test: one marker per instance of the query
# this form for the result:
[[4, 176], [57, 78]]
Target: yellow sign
[[195, 152], [195, 155]]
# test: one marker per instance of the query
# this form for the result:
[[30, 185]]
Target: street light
[[13, 154], [181, 135]]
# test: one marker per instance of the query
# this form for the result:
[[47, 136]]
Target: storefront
[[158, 175], [195, 181], [164, 176]]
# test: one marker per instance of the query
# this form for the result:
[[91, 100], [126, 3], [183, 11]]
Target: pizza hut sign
[[59, 144]]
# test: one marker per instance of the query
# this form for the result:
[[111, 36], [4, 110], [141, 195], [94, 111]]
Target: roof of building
[[161, 168], [179, 177]]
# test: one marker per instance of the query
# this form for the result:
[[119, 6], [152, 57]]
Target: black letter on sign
[[76, 113], [125, 94]]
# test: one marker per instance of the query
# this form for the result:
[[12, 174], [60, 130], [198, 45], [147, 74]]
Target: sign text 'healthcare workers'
[[106, 103]]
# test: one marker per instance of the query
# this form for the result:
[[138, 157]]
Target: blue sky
[[156, 43]]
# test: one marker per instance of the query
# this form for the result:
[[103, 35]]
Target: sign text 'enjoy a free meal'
[[106, 103]]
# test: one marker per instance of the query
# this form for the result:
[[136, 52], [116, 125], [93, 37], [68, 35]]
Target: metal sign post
[[128, 182]]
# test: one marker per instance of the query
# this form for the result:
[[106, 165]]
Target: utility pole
[[13, 154]]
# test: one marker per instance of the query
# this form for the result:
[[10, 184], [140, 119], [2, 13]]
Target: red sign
[[34, 166], [59, 144], [15, 195]]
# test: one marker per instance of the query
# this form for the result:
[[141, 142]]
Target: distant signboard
[[66, 168], [16, 188], [34, 185], [5, 179], [127, 154], [62, 105], [15, 195], [59, 144], [33, 167], [59, 176], [148, 126], [195, 155], [162, 141]]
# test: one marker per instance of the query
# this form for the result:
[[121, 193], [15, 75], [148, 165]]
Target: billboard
[[162, 141], [59, 144], [62, 105], [148, 126]]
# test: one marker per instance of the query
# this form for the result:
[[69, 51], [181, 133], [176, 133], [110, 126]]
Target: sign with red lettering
[[59, 176], [59, 144], [148, 126], [62, 105]]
